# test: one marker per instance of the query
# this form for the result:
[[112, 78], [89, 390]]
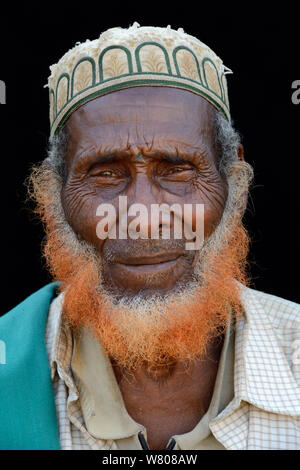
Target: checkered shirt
[[265, 411]]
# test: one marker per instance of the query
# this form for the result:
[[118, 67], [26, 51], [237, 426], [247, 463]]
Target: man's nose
[[143, 198]]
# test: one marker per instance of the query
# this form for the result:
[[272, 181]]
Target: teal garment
[[27, 407]]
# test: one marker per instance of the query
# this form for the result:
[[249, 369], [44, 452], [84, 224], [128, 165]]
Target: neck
[[171, 399]]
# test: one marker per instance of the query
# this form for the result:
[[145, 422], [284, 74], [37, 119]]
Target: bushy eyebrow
[[177, 156]]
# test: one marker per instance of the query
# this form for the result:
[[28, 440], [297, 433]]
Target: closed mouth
[[150, 265], [147, 259]]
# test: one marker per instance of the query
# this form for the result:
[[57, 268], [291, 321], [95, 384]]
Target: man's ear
[[240, 152]]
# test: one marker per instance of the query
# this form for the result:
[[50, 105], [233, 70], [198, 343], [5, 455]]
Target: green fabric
[[27, 407]]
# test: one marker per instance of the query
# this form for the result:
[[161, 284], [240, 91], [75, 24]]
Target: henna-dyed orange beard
[[158, 332]]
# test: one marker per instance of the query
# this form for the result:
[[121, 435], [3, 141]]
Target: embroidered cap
[[137, 56]]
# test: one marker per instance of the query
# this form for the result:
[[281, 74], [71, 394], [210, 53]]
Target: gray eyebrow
[[113, 156]]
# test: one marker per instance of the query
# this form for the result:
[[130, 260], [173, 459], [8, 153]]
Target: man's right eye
[[103, 173], [106, 173]]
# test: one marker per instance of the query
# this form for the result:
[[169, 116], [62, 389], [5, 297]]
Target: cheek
[[211, 220], [213, 195], [80, 207]]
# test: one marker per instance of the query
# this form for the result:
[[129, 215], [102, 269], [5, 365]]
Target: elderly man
[[149, 344]]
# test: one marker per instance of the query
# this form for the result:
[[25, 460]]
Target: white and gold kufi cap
[[123, 58]]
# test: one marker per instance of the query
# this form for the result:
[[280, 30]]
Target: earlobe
[[240, 152]]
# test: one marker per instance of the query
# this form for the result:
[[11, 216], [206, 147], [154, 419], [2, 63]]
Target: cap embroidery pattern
[[137, 56]]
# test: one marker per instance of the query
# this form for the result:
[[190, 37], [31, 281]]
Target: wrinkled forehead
[[142, 113]]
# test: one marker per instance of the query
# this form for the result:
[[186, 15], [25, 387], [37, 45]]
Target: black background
[[258, 41]]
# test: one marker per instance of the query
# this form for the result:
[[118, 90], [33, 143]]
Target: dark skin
[[153, 145]]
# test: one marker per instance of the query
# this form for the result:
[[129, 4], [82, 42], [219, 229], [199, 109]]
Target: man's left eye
[[177, 169]]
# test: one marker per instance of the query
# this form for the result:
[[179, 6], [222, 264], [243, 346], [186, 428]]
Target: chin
[[152, 292]]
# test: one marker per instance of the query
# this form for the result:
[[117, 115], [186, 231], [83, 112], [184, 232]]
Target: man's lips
[[149, 263], [149, 267], [141, 270], [148, 259]]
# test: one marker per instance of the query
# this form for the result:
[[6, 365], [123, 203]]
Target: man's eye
[[107, 173], [177, 169], [103, 173]]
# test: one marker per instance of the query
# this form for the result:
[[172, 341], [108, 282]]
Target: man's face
[[153, 145]]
